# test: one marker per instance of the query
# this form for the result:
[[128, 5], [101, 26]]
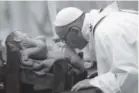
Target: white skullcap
[[67, 16]]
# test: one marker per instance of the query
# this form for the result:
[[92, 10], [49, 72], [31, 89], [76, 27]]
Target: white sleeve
[[123, 74]]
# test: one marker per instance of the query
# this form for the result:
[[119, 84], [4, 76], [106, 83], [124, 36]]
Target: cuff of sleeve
[[106, 82]]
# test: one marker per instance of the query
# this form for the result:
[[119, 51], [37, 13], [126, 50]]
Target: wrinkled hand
[[81, 85]]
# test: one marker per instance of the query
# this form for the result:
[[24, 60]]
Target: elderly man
[[112, 37]]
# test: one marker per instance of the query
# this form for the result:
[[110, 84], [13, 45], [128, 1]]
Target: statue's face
[[19, 36]]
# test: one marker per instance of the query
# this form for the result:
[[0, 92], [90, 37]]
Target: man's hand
[[81, 85]]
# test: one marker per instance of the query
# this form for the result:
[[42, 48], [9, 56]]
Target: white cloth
[[67, 16], [115, 42], [89, 49]]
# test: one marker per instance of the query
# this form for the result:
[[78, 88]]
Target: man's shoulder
[[118, 24], [118, 20]]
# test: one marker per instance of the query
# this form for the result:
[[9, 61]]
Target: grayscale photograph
[[70, 46]]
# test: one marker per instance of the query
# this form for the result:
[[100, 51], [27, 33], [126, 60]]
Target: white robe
[[115, 47]]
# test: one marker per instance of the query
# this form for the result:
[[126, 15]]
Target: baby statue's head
[[19, 36]]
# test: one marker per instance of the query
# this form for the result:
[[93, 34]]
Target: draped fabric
[[37, 17]]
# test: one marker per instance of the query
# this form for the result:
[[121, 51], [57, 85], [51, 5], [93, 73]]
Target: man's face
[[72, 37]]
